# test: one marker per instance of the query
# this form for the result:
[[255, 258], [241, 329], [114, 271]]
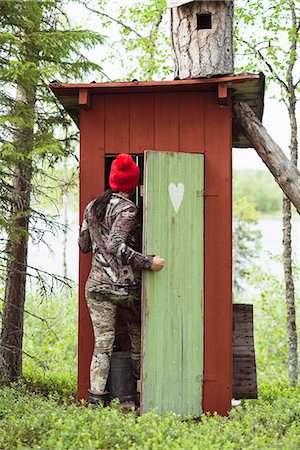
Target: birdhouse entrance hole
[[204, 21]]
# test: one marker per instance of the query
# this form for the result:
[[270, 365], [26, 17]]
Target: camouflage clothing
[[114, 280], [103, 309], [116, 264]]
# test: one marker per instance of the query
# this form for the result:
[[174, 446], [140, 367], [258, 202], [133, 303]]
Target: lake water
[[52, 261]]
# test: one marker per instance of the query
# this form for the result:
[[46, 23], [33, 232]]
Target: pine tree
[[37, 46]]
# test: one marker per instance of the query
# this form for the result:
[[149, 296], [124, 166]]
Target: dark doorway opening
[[120, 382]]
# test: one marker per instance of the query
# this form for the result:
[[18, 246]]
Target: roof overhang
[[247, 88]]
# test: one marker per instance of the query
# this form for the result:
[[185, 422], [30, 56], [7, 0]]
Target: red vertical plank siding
[[191, 131], [91, 185], [117, 137], [218, 234], [166, 126], [165, 121], [141, 122]]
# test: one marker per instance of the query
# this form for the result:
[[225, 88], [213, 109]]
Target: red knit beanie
[[124, 173]]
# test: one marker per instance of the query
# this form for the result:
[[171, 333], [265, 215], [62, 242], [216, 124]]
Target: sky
[[275, 120], [275, 117]]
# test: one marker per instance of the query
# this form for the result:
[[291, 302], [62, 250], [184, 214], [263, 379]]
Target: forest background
[[50, 333]]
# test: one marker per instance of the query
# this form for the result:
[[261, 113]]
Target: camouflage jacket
[[116, 263]]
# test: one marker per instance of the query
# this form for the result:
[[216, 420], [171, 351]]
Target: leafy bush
[[31, 421], [50, 343], [259, 188], [41, 412], [270, 320]]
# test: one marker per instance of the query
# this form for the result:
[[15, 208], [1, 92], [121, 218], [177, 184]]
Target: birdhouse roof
[[175, 3]]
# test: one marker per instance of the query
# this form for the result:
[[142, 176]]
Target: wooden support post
[[84, 98], [286, 174], [222, 94]]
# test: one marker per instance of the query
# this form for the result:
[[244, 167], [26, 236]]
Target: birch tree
[[268, 36]]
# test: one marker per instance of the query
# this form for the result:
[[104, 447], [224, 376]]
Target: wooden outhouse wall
[[179, 121]]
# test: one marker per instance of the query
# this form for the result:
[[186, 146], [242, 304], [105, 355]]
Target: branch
[[270, 67], [14, 349], [40, 275], [113, 19], [284, 171], [272, 70], [155, 27], [293, 51], [42, 319]]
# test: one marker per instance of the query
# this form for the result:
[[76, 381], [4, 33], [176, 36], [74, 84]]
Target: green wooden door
[[172, 343]]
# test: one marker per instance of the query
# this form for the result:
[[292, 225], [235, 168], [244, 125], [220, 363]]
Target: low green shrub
[[270, 329], [41, 412], [50, 344], [28, 420]]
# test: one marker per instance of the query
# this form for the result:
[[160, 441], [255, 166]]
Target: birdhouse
[[202, 38], [181, 135]]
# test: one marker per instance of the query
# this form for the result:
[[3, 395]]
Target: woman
[[109, 230]]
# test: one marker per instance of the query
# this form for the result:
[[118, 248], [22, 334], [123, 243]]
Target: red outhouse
[[182, 116]]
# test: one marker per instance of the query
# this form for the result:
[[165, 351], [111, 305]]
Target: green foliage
[[37, 46], [267, 38], [41, 412], [31, 421], [259, 188], [268, 34], [270, 318], [143, 48], [50, 343], [246, 241]]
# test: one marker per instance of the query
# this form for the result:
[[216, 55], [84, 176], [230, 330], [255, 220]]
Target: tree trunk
[[284, 171], [289, 293], [287, 251], [13, 309], [66, 223], [11, 341], [202, 39]]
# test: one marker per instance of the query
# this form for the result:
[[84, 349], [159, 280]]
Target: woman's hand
[[157, 263]]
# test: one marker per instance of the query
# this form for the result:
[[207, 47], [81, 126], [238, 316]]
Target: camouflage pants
[[103, 308]]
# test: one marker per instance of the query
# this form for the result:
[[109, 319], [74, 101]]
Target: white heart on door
[[176, 194]]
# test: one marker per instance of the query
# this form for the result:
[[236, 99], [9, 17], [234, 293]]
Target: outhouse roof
[[245, 87], [175, 3]]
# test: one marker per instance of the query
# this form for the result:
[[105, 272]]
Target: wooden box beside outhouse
[[181, 133]]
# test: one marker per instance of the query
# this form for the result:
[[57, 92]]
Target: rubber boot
[[98, 399]]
